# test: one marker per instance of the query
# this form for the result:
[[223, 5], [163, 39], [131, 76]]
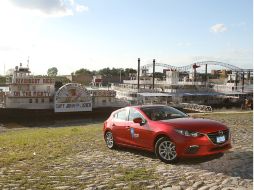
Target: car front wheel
[[165, 149], [109, 140]]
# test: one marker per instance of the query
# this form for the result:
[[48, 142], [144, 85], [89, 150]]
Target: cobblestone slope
[[97, 167]]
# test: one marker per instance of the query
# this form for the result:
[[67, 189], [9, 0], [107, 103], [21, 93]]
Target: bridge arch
[[201, 63]]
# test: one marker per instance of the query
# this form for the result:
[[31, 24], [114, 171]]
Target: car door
[[120, 126], [140, 135]]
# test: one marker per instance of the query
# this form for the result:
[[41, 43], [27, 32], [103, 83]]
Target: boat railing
[[193, 107]]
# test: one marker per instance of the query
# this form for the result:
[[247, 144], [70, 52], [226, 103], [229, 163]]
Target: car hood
[[196, 124]]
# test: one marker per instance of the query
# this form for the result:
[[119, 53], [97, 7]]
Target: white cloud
[[44, 7], [240, 24], [72, 2], [218, 28], [81, 8], [183, 44], [8, 48], [50, 8]]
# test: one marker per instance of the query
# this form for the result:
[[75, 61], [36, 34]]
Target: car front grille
[[213, 136]]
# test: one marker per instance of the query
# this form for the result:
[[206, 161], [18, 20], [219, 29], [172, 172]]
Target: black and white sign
[[72, 97]]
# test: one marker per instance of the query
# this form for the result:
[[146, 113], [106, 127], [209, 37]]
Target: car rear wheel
[[165, 150], [109, 140]]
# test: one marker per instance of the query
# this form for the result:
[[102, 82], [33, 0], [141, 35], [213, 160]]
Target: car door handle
[[128, 127]]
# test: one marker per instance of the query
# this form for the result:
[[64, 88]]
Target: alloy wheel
[[109, 140], [166, 150]]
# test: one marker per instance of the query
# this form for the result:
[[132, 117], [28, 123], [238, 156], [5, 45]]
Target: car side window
[[121, 115], [134, 114]]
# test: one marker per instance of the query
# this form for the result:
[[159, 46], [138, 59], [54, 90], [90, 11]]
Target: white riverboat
[[27, 91]]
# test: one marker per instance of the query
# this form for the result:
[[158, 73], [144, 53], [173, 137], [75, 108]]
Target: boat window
[[30, 100], [42, 100]]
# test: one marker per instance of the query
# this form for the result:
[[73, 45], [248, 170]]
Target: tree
[[2, 80], [52, 72], [104, 71], [60, 81], [159, 75], [129, 71], [83, 71]]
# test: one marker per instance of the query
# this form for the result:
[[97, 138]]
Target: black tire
[[109, 140], [165, 150]]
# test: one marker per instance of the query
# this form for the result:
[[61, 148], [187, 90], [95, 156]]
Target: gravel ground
[[131, 169]]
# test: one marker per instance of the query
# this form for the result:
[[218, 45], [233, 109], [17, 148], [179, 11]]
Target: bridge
[[197, 64]]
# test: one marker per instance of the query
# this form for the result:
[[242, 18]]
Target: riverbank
[[71, 154], [67, 119]]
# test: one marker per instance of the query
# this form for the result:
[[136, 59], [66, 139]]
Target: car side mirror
[[139, 120]]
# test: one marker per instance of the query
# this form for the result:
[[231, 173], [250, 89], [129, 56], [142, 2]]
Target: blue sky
[[94, 34]]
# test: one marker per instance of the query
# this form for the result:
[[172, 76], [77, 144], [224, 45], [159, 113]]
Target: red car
[[166, 131]]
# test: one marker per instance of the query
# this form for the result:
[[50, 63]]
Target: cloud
[[50, 8], [218, 28], [8, 48], [183, 44], [240, 24], [81, 8]]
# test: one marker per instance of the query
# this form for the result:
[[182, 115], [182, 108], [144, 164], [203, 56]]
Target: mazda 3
[[166, 131]]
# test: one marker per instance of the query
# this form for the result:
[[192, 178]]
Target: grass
[[135, 174], [228, 117], [54, 143], [130, 176], [40, 153], [38, 144]]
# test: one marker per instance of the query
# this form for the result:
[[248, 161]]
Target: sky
[[94, 34]]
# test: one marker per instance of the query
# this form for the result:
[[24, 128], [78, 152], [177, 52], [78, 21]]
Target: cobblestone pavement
[[101, 168]]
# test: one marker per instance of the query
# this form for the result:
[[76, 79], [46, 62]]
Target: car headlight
[[188, 133]]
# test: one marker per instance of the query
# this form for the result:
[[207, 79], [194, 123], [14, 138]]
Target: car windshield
[[163, 113]]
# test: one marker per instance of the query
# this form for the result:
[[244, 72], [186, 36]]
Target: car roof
[[142, 106], [148, 106]]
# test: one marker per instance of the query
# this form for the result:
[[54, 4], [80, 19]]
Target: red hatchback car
[[166, 131]]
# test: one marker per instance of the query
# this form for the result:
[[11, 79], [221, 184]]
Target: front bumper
[[199, 146]]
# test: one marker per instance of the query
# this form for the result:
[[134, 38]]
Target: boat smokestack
[[138, 72], [243, 82], [153, 71]]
